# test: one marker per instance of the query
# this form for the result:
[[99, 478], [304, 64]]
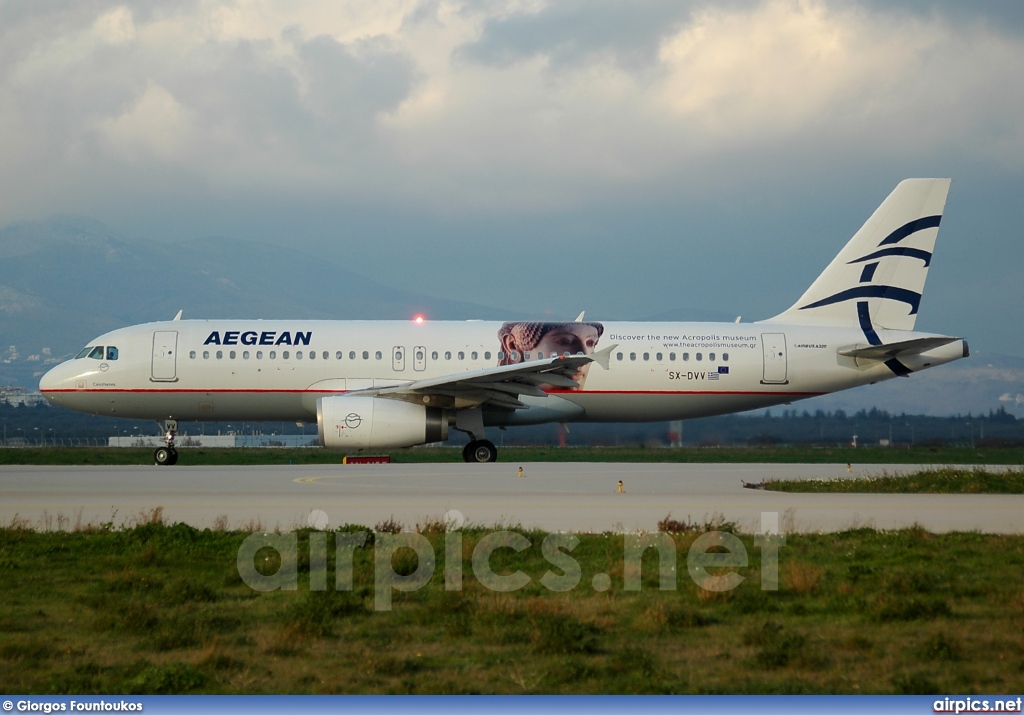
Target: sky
[[632, 159]]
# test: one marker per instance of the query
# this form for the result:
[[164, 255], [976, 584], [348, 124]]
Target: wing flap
[[498, 386]]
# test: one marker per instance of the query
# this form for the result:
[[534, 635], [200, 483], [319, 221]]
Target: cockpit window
[[85, 351], [111, 352], [97, 353]]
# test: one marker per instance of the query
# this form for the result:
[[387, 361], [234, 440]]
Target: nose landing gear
[[167, 455]]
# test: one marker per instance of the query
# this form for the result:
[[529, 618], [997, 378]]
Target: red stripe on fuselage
[[149, 390]]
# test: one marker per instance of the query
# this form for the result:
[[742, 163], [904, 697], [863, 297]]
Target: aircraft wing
[[891, 350], [499, 386]]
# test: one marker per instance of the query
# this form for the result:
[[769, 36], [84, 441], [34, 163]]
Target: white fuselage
[[276, 370]]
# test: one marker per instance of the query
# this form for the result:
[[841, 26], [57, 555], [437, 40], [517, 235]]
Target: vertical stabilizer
[[877, 279]]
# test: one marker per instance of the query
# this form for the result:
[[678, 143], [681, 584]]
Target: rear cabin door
[[165, 349], [774, 346]]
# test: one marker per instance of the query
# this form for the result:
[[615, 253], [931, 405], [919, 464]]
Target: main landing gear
[[471, 421], [480, 450], [167, 455]]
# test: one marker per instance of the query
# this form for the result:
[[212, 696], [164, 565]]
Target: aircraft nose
[[51, 381]]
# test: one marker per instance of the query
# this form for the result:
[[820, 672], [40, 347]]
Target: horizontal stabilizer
[[891, 350]]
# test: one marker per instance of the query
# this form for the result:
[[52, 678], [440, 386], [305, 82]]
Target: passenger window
[[231, 354], [632, 356], [699, 357], [284, 354], [514, 356], [647, 356], [540, 354], [526, 356], [327, 355], [447, 355], [419, 355], [312, 354], [97, 353], [725, 357], [378, 355], [337, 355], [298, 355], [711, 357], [686, 357], [366, 355], [245, 354], [220, 354], [618, 356], [192, 354], [462, 355], [487, 355], [351, 354], [473, 355], [672, 357], [273, 355], [259, 354], [433, 355], [658, 357], [111, 352], [501, 354], [206, 355], [398, 355]]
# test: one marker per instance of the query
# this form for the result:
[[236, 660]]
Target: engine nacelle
[[363, 422]]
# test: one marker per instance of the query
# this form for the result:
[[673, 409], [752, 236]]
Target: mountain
[[65, 280], [977, 385]]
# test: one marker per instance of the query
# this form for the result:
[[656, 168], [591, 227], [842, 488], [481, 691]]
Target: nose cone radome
[[54, 382]]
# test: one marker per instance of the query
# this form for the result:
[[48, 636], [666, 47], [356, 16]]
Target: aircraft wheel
[[174, 456], [480, 450], [162, 456]]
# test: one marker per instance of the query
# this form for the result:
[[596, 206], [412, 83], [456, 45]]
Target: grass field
[[781, 454], [946, 480], [162, 609]]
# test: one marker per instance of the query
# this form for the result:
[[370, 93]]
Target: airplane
[[375, 385]]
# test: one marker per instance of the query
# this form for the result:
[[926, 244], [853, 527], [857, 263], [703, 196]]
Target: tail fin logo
[[887, 292]]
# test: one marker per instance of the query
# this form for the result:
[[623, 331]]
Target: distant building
[[219, 440], [15, 396]]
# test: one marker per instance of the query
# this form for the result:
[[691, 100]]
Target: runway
[[550, 496]]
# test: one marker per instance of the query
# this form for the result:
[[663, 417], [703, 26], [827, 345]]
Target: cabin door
[[774, 346], [165, 348]]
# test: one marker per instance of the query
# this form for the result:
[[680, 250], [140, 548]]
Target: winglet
[[601, 357], [178, 316], [579, 318]]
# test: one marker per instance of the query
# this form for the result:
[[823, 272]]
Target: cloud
[[441, 132], [496, 106]]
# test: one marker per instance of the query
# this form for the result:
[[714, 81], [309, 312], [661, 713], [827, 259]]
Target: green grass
[[947, 480], [781, 454], [162, 609]]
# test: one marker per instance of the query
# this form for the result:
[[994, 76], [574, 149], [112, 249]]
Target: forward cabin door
[[774, 345], [165, 357]]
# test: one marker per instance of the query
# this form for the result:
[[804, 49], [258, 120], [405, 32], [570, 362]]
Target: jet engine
[[364, 422]]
